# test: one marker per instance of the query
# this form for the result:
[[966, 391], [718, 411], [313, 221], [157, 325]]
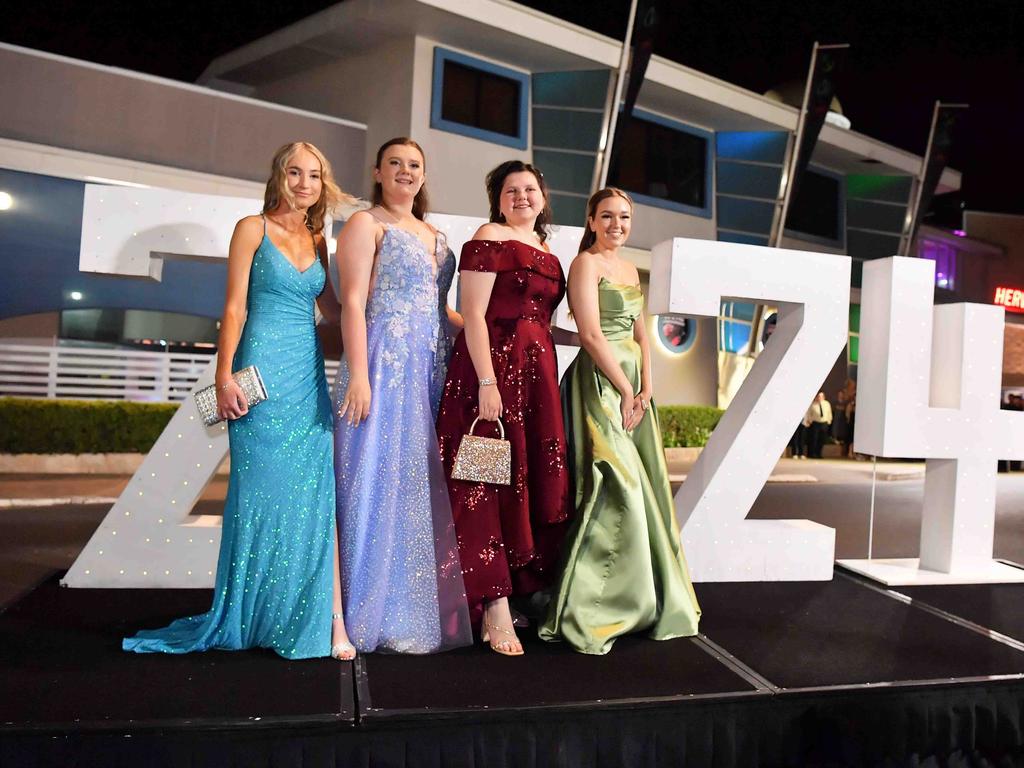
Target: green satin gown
[[623, 567]]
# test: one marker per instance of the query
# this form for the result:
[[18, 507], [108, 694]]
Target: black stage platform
[[789, 674]]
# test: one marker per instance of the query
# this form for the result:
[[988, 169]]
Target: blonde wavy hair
[[331, 195]]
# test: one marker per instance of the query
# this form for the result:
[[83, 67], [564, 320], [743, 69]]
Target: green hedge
[[684, 426], [113, 426], [80, 426]]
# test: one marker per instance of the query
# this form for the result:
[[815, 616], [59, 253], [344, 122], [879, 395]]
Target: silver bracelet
[[488, 382]]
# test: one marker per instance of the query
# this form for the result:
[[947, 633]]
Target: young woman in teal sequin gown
[[277, 576], [400, 570]]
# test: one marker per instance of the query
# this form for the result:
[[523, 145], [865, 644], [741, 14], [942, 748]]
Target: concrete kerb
[[79, 464]]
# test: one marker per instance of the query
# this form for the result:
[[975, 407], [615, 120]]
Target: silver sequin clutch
[[248, 379], [484, 459]]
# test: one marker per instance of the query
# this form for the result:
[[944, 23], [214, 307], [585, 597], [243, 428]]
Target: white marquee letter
[[928, 387], [812, 292]]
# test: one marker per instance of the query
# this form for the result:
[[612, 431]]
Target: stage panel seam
[[361, 688], [991, 634], [719, 654], [484, 712]]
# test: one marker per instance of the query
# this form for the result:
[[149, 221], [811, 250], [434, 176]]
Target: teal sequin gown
[[274, 575]]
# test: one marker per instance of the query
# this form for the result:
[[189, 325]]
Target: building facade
[[475, 82]]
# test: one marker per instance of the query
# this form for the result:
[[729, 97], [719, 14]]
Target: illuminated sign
[[1011, 298]]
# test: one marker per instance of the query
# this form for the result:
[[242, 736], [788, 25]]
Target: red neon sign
[[1011, 298]]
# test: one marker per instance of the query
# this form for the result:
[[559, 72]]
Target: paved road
[[38, 540]]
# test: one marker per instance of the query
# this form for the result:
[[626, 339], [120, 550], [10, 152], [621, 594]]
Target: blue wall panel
[[739, 237], [749, 180], [569, 209], [565, 171], [39, 250], [571, 89], [747, 215], [566, 129], [757, 146]]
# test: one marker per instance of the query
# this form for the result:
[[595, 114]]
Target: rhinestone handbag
[[484, 459], [248, 379]]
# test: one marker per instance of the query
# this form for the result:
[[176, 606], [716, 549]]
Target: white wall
[[374, 87], [456, 165], [653, 225], [690, 378], [390, 88], [90, 109]]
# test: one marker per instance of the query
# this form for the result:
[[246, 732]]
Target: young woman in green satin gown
[[623, 567]]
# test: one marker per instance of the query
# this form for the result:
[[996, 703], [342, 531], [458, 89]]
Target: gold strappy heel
[[485, 636]]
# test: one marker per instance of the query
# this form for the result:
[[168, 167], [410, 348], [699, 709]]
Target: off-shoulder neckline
[[512, 240]]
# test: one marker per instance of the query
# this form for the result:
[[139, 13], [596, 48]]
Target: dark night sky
[[905, 54]]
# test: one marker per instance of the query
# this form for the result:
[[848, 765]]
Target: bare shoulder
[[584, 266], [249, 231], [491, 231], [249, 225], [362, 222]]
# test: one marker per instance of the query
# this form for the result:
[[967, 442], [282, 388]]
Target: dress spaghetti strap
[[378, 219]]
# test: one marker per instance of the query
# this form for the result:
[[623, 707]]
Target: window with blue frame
[[479, 99], [735, 327], [816, 212], [664, 163]]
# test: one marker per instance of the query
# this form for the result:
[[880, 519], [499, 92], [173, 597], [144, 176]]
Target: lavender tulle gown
[[400, 574]]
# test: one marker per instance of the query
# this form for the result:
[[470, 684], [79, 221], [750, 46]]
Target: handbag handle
[[501, 428]]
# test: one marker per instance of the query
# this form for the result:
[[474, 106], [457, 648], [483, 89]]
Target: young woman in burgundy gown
[[504, 365]]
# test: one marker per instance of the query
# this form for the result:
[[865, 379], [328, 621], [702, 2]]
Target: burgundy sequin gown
[[510, 536]]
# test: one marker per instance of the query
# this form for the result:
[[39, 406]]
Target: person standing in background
[[818, 418]]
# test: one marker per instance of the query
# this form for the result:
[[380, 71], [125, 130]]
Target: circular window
[[676, 332]]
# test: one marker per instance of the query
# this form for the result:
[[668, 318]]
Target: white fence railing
[[88, 373], [91, 373]]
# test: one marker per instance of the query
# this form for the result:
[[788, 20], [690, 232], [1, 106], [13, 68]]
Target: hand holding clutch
[[231, 401], [248, 380]]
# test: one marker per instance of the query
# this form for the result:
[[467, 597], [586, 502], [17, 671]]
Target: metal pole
[[787, 172], [871, 514], [604, 152], [911, 220], [597, 178], [915, 186]]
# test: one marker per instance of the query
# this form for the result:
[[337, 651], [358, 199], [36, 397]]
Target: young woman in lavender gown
[[400, 570]]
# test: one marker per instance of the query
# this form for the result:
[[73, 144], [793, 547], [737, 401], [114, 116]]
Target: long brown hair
[[589, 235], [331, 195], [420, 203], [496, 180]]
